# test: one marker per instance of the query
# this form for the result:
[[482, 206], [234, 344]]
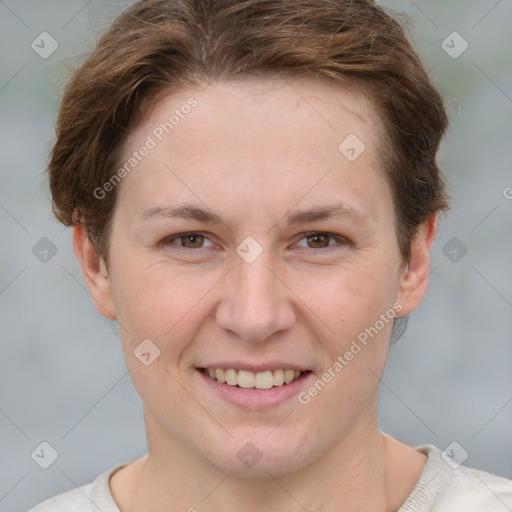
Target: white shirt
[[440, 488]]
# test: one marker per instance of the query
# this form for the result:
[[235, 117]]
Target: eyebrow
[[340, 210], [326, 212]]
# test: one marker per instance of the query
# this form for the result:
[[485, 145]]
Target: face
[[258, 234]]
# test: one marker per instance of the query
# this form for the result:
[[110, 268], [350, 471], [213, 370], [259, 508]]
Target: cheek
[[347, 309], [160, 302], [164, 307], [345, 299]]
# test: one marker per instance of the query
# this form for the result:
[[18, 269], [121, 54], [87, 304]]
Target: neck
[[352, 476]]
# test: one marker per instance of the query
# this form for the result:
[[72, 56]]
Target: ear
[[414, 280], [95, 273]]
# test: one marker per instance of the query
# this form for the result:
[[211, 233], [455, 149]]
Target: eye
[[188, 240], [314, 240], [319, 240]]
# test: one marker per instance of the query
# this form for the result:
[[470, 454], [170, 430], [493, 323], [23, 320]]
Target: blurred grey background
[[63, 379]]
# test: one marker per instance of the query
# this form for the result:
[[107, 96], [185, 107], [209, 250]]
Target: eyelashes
[[192, 235], [315, 235], [196, 241]]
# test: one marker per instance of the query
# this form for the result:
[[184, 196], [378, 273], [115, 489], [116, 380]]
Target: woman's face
[[291, 262]]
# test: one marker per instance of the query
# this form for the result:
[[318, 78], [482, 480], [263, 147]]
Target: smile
[[258, 380]]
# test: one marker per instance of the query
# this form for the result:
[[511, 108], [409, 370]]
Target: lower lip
[[253, 398]]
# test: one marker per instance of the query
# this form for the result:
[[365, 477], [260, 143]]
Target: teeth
[[288, 376], [245, 379], [258, 380], [221, 375], [231, 377], [278, 377], [263, 380]]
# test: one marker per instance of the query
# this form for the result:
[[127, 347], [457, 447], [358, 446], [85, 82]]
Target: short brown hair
[[159, 46]]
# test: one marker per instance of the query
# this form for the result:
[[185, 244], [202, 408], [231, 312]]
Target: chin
[[259, 455]]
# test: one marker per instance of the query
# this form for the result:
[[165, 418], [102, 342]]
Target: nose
[[256, 303]]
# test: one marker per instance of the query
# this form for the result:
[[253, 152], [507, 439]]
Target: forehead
[[327, 105], [263, 139]]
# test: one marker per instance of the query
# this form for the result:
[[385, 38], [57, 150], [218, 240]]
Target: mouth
[[263, 380]]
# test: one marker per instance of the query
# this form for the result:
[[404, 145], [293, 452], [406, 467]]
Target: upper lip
[[259, 367]]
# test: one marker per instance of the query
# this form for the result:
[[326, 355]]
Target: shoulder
[[76, 499], [445, 486], [87, 498], [477, 490]]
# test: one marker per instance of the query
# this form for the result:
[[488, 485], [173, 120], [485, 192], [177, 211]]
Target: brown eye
[[318, 240], [192, 240], [187, 241]]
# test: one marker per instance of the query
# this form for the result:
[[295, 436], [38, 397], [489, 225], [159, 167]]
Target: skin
[[252, 152]]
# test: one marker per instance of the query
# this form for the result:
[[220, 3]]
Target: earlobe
[[95, 273], [414, 280]]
